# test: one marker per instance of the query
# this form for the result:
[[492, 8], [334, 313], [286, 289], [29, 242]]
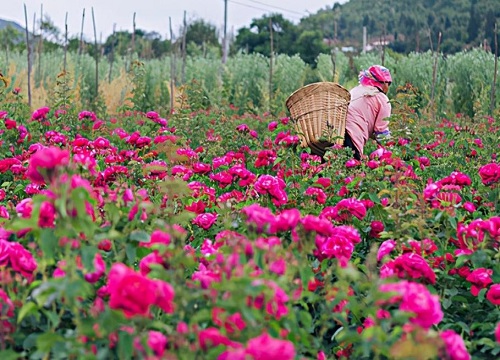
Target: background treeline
[[404, 25]]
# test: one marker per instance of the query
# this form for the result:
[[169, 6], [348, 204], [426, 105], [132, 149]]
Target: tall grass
[[463, 80]]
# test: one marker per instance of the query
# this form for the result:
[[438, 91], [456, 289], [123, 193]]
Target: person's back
[[368, 108]]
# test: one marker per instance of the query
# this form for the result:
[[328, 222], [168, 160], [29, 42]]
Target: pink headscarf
[[374, 76]]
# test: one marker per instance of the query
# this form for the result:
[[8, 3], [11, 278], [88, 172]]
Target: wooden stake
[[40, 43], [382, 42], [65, 40], [112, 54], [430, 40], [184, 50], [224, 41], [80, 48], [96, 57], [271, 57], [133, 39], [334, 64], [29, 54], [172, 66], [494, 85], [434, 75]]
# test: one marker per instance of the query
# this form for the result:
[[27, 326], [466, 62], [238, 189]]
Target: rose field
[[209, 233]]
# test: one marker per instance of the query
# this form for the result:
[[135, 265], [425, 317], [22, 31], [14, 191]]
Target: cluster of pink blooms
[[137, 295]]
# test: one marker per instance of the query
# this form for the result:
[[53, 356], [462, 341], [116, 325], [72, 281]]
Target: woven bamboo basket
[[319, 113]]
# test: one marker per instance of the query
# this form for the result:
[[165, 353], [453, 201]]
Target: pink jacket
[[366, 113]]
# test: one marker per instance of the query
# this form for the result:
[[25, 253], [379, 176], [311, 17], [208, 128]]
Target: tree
[[201, 32], [49, 30], [474, 23], [489, 29], [309, 45], [9, 38], [256, 38]]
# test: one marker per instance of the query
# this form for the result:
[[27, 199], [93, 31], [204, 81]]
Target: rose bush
[[213, 235]]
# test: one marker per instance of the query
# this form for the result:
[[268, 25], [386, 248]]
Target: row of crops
[[462, 82]]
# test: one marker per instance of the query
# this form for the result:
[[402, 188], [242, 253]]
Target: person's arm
[[381, 128]]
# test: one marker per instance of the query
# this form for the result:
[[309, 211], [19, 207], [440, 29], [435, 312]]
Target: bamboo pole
[[132, 47], [112, 53], [184, 50], [494, 85], [65, 41], [40, 43], [172, 65], [80, 48], [382, 42], [271, 58], [28, 50], [96, 57], [430, 40], [333, 56], [434, 75]]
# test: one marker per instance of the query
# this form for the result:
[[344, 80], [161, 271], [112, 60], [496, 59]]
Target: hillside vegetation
[[463, 23], [404, 26]]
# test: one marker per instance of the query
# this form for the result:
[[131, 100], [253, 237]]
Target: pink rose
[[470, 207], [493, 294], [157, 342], [376, 227], [489, 173], [134, 293], [151, 259], [21, 260], [205, 220], [416, 299], [479, 278], [99, 269], [4, 252], [44, 162], [454, 345], [47, 215], [385, 248], [409, 266], [266, 347], [6, 304], [211, 337]]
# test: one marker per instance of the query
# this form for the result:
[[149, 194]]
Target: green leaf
[[30, 341], [125, 346], [482, 294], [306, 319], [140, 236], [131, 252], [9, 355], [53, 317], [480, 259], [27, 309], [200, 316], [48, 243], [453, 222], [306, 274], [461, 260], [446, 303], [45, 342], [374, 198], [88, 254]]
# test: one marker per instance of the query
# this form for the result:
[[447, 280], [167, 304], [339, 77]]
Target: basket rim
[[319, 87]]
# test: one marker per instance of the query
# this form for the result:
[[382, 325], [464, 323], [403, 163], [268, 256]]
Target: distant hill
[[5, 23], [407, 24]]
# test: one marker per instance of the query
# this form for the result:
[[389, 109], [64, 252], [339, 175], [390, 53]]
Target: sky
[[153, 15]]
